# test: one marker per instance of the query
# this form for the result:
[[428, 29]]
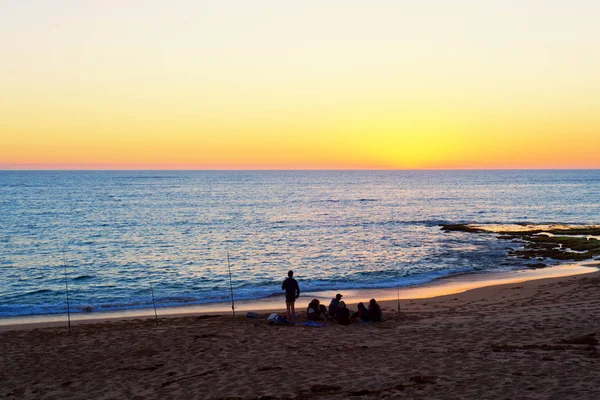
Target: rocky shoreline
[[542, 242]]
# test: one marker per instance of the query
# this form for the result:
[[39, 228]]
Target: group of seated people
[[340, 313]]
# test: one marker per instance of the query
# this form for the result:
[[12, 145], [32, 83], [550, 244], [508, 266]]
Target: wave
[[25, 294], [244, 292], [362, 200], [82, 278], [145, 177]]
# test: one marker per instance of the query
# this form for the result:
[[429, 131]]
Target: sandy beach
[[529, 340]]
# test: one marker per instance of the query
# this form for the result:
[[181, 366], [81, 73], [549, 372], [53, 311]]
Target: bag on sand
[[312, 324], [279, 320]]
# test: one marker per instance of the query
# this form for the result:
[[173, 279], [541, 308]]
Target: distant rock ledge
[[557, 242]]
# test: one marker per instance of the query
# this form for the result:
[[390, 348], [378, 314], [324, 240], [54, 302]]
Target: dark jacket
[[375, 312], [363, 314], [333, 307], [292, 290], [343, 316]]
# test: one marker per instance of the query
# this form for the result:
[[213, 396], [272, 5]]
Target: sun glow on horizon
[[282, 85]]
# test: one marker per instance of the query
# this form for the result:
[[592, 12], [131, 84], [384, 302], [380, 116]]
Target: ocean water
[[118, 232]]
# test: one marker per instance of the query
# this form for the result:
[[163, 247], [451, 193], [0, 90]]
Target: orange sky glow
[[308, 85]]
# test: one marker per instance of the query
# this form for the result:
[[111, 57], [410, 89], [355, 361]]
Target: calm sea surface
[[119, 231]]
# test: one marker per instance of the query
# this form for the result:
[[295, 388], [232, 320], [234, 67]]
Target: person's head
[[372, 302], [315, 303], [342, 305], [338, 297], [361, 306], [290, 273]]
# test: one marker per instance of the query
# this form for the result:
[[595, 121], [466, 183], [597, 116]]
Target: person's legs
[[288, 306], [293, 313]]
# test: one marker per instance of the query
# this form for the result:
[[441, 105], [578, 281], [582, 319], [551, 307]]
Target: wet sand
[[439, 287], [533, 339]]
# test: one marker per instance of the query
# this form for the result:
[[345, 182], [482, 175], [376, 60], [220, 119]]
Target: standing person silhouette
[[292, 292]]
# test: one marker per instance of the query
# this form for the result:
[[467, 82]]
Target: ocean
[[116, 233]]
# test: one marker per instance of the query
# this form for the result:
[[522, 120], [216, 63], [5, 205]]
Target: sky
[[330, 84]]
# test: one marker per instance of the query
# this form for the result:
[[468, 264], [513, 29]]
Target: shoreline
[[535, 339], [449, 285]]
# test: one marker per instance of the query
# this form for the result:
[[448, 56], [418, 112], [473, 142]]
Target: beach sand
[[525, 340]]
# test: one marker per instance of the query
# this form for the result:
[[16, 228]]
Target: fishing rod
[[398, 293], [67, 291], [153, 302], [230, 283], [397, 272]]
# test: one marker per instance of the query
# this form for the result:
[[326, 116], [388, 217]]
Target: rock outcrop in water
[[558, 242]]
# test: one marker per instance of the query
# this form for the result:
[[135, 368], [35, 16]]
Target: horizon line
[[288, 169]]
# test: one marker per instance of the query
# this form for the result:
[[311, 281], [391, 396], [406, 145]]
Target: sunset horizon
[[273, 85], [275, 169]]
